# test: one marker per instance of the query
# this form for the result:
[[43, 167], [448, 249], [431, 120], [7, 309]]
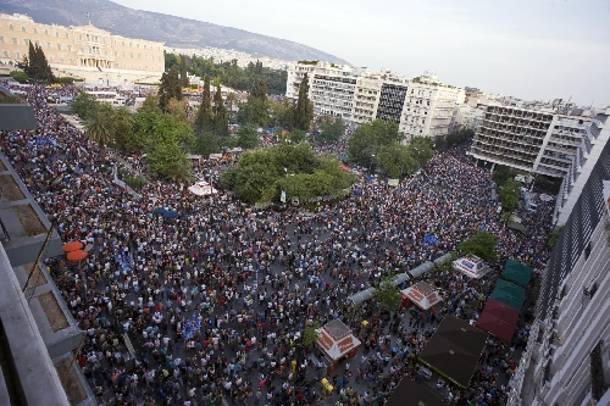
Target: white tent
[[471, 266], [422, 294], [202, 188]]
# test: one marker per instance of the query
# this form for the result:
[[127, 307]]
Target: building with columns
[[84, 52]]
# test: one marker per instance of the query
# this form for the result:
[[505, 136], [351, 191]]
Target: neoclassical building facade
[[97, 56]]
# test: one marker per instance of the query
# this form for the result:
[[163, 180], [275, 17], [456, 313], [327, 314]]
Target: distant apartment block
[[429, 108], [420, 107], [542, 142]]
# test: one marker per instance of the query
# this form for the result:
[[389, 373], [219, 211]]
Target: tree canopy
[[376, 145], [388, 295], [261, 175], [229, 73], [36, 66], [331, 129], [303, 112], [482, 244], [170, 88]]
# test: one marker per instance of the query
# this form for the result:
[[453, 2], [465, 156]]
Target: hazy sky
[[533, 49]]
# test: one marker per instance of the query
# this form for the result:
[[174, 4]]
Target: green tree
[[170, 88], [84, 105], [482, 244], [221, 117], [388, 295], [20, 76], [247, 138], [421, 150], [36, 66], [99, 125], [502, 173], [182, 70], [178, 109], [256, 110], [151, 104], [281, 114], [303, 114], [331, 130], [125, 138], [296, 136], [167, 159], [396, 161], [509, 195], [204, 121], [310, 336], [261, 175], [166, 141], [364, 144]]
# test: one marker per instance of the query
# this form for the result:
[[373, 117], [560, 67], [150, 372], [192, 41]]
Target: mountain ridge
[[174, 31]]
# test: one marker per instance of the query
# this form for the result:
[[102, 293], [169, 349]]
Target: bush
[[20, 76], [65, 80]]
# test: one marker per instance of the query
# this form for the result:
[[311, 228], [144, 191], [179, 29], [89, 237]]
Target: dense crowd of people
[[216, 298]]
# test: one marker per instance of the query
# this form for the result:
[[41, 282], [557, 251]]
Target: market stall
[[471, 266], [336, 341], [422, 294]]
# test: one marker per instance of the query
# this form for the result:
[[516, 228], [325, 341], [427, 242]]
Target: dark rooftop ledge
[[17, 117], [24, 224]]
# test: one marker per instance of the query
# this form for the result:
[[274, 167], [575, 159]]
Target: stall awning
[[499, 320], [517, 273], [454, 350]]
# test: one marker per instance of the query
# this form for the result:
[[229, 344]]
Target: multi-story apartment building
[[295, 74], [332, 89], [366, 98], [567, 358], [421, 107], [545, 143], [429, 108], [536, 141], [466, 116], [84, 52], [392, 98]]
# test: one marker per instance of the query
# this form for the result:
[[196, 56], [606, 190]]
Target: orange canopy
[[76, 256], [73, 246]]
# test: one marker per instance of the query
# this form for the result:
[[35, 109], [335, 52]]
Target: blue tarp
[[430, 239], [190, 328], [165, 212]]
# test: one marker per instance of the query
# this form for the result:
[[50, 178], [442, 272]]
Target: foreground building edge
[[567, 359]]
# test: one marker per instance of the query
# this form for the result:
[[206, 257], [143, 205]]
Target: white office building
[[295, 74], [429, 108], [332, 90]]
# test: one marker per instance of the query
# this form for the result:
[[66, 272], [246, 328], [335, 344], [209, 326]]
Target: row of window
[[88, 37]]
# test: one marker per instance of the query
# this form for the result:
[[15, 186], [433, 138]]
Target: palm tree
[[99, 127]]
